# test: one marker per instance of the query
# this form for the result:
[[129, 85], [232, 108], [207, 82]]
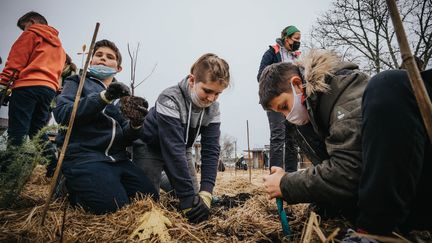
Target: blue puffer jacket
[[100, 132], [172, 126]]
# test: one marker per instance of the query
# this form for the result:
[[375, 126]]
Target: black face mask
[[295, 46]]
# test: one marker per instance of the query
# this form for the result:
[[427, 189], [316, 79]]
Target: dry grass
[[255, 220]]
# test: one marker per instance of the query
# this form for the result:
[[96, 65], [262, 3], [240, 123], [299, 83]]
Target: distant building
[[259, 157]]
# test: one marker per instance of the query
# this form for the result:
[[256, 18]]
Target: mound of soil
[[231, 202]]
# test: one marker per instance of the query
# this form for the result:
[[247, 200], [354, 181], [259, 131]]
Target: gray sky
[[174, 34]]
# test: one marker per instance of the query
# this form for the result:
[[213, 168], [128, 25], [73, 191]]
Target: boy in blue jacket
[[99, 175]]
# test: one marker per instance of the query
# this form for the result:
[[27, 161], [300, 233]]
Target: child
[[182, 113], [285, 50], [99, 175], [378, 166], [34, 64]]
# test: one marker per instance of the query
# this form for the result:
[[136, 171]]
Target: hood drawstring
[[188, 123]]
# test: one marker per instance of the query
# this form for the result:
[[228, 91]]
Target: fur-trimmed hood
[[317, 65]]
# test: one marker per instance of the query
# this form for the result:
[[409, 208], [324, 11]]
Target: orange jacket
[[38, 58]]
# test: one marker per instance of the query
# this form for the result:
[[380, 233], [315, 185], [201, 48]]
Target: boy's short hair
[[112, 46], [36, 17], [210, 67], [274, 81]]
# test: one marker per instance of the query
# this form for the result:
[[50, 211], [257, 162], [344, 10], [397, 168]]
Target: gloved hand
[[115, 90], [138, 120], [200, 209], [6, 94], [135, 109]]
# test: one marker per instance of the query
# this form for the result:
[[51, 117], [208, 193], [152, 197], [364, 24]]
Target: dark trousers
[[395, 186], [279, 137], [103, 187], [29, 109]]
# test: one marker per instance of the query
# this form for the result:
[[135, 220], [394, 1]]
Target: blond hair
[[210, 67]]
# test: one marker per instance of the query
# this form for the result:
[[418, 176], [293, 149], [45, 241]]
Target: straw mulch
[[254, 220]]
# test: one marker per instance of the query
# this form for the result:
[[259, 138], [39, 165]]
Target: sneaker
[[352, 237]]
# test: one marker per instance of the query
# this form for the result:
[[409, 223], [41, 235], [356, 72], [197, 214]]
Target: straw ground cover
[[243, 213]]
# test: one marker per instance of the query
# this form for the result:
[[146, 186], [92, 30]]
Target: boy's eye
[[207, 91]]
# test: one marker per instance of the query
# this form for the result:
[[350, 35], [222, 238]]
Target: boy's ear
[[296, 80], [119, 68], [191, 79]]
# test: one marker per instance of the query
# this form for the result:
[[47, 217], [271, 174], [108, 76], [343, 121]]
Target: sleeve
[[19, 56], [88, 106], [173, 149], [266, 60], [335, 180], [210, 150]]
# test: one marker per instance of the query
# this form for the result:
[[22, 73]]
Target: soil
[[132, 106], [231, 202]]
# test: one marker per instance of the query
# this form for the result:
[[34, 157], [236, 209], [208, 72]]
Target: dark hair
[[112, 46], [274, 81], [210, 67], [69, 62], [36, 17]]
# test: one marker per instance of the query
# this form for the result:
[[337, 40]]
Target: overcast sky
[[174, 34]]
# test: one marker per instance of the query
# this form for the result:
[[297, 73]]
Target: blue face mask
[[102, 72]]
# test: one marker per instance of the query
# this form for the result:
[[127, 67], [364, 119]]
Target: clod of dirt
[[132, 106], [231, 202]]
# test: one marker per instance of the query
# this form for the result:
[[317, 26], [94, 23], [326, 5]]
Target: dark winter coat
[[334, 90], [100, 132], [169, 129]]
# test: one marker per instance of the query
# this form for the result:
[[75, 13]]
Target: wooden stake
[[417, 84], [249, 157], [70, 126]]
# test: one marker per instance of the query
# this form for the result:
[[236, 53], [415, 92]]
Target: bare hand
[[272, 182]]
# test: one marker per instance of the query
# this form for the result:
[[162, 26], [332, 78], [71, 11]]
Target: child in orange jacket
[[32, 70]]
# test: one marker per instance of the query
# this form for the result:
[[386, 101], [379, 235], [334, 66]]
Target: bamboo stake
[[70, 126], [249, 156], [417, 84]]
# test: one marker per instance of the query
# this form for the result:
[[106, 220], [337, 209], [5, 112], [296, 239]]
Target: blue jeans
[[29, 111], [395, 185], [103, 187]]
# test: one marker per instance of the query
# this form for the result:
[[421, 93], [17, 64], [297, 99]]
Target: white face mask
[[298, 114], [196, 100]]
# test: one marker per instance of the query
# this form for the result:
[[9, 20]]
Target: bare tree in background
[[362, 31], [133, 56], [227, 147]]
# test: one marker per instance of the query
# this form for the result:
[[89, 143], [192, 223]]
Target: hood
[[280, 41], [317, 66], [48, 33]]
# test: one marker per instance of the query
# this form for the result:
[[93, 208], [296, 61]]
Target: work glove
[[200, 209], [114, 91], [135, 109], [6, 94]]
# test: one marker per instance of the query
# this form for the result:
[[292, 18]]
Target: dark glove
[[116, 90], [139, 119], [199, 211], [134, 108]]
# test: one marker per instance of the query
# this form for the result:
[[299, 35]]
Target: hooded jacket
[[38, 58], [100, 132], [334, 91], [274, 55], [172, 126]]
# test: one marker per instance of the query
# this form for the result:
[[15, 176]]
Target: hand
[[272, 182], [116, 90], [199, 210], [139, 118], [6, 94], [135, 109]]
